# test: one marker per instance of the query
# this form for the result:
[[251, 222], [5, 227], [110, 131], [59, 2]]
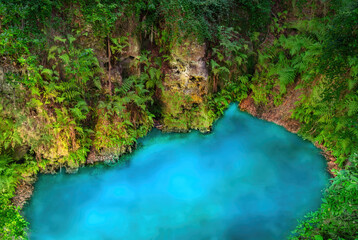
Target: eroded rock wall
[[186, 88]]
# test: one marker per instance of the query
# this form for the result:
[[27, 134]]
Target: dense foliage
[[80, 77]]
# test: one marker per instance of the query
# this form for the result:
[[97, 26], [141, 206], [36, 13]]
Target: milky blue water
[[248, 179]]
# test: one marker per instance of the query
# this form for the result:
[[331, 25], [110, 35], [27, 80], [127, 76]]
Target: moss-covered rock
[[186, 89]]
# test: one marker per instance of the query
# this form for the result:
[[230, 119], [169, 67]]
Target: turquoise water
[[249, 179]]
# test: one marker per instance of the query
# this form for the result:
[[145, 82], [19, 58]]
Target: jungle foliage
[[70, 83]]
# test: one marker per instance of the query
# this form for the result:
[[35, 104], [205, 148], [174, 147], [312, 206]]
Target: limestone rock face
[[186, 86], [188, 72]]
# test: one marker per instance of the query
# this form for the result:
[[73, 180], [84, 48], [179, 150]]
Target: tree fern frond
[[286, 76], [352, 105]]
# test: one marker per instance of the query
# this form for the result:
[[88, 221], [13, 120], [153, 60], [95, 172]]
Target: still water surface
[[248, 179]]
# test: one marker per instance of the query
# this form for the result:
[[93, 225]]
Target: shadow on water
[[248, 179]]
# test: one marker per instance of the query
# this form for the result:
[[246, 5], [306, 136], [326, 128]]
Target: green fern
[[352, 104]]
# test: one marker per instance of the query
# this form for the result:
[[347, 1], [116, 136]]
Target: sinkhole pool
[[248, 179]]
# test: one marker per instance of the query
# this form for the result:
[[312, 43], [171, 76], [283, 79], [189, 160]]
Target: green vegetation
[[80, 77]]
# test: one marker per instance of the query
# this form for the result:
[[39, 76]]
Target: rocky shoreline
[[23, 193]]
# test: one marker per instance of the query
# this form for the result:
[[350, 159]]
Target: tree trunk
[[215, 84], [109, 66]]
